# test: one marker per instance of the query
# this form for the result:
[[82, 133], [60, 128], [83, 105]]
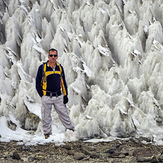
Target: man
[[50, 85]]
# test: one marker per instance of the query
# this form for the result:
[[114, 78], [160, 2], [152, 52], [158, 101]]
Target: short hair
[[52, 49]]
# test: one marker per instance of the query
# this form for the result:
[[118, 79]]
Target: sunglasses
[[50, 55]]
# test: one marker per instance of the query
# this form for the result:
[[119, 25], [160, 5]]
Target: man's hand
[[65, 99]]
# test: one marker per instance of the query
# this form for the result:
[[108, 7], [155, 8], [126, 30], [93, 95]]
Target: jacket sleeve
[[38, 81], [63, 83]]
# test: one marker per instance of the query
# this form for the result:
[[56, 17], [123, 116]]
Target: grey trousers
[[61, 110]]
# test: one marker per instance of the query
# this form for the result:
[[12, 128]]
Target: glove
[[65, 99]]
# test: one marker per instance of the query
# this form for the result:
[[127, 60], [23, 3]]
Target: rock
[[71, 152], [40, 157], [32, 158], [111, 151], [1, 147], [11, 125], [160, 158], [94, 155], [5, 154], [128, 151], [25, 148], [16, 156], [145, 159], [79, 156], [144, 155], [25, 159], [117, 155], [32, 121], [89, 152], [146, 152], [67, 147]]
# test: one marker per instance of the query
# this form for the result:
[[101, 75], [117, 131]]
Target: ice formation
[[111, 51]]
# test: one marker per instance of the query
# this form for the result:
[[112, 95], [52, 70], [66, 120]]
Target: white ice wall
[[112, 54]]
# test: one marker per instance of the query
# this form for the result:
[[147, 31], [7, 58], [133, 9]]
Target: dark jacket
[[54, 80]]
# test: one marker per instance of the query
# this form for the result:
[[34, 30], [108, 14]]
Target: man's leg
[[46, 115], [62, 111]]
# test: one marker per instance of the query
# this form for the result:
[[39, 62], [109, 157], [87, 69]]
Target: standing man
[[52, 88]]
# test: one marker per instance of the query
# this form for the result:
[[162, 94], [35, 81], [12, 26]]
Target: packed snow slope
[[112, 54]]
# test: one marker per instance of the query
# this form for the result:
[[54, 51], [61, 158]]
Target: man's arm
[[39, 81], [63, 83]]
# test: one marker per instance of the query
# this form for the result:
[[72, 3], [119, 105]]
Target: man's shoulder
[[59, 64], [43, 63], [41, 66]]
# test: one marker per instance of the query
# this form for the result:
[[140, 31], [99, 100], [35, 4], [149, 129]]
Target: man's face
[[52, 56]]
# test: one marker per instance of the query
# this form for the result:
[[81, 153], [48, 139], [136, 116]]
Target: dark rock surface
[[128, 151]]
